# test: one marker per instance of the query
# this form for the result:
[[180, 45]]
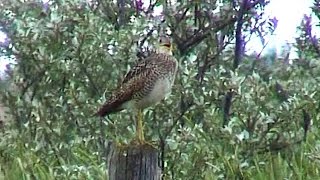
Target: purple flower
[[307, 25], [46, 5], [274, 22], [314, 41], [139, 5], [307, 28]]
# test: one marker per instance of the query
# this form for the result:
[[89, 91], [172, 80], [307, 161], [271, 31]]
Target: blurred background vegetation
[[232, 115]]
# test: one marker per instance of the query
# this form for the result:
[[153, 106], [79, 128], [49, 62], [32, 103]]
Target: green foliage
[[263, 128], [72, 53]]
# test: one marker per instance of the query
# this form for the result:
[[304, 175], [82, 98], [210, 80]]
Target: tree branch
[[185, 44], [238, 53]]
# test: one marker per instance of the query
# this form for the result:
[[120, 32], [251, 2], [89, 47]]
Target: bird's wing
[[143, 67], [120, 96], [133, 82]]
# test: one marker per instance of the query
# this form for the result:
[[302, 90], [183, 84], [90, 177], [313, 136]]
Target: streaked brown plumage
[[146, 84]]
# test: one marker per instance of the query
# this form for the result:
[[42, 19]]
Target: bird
[[146, 84]]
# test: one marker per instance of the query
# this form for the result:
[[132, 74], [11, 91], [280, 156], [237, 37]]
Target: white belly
[[161, 89]]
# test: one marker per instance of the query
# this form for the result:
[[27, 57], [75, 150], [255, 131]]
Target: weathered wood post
[[133, 162]]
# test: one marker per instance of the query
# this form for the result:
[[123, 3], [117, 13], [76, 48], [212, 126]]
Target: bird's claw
[[142, 142]]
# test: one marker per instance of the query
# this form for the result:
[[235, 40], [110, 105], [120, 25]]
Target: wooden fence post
[[133, 162]]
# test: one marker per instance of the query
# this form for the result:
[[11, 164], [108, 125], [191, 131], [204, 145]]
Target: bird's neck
[[165, 50]]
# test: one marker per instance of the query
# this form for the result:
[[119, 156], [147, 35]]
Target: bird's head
[[165, 45]]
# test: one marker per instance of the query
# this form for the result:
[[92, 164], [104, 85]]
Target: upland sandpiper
[[146, 84]]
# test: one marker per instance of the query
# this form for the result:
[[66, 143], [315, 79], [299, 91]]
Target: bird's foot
[[139, 139], [142, 142]]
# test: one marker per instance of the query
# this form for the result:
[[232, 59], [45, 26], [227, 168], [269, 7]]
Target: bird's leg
[[139, 139], [139, 129], [140, 133]]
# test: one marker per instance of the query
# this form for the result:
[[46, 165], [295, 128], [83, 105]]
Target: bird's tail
[[109, 108]]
